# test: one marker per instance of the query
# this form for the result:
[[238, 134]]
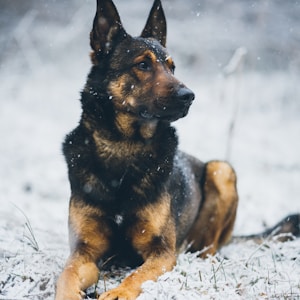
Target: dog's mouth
[[145, 114], [165, 114]]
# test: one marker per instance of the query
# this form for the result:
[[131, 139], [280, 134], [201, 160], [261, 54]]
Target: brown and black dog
[[134, 195]]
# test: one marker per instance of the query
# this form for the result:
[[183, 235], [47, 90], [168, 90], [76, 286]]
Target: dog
[[134, 196]]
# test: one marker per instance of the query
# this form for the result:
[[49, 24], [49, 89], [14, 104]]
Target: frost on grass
[[28, 275], [239, 271], [27, 272]]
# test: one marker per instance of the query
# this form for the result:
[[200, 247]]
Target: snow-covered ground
[[246, 111]]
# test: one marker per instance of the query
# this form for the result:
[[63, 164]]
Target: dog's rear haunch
[[134, 196]]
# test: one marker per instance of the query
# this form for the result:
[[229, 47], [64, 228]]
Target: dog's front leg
[[152, 268], [78, 274], [153, 237], [89, 239]]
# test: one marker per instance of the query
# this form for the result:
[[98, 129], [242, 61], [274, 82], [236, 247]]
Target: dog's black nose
[[185, 95]]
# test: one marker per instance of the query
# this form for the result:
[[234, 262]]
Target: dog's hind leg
[[88, 239], [214, 224]]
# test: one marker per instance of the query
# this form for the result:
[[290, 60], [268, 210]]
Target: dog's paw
[[119, 294]]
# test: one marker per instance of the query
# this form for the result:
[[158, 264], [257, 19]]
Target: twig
[[234, 66], [31, 238], [214, 277]]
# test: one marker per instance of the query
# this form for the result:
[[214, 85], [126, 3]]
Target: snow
[[249, 116]]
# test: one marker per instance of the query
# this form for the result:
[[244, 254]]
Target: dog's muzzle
[[184, 97], [176, 107]]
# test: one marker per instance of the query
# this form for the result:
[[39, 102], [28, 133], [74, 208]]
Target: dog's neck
[[96, 116], [130, 127]]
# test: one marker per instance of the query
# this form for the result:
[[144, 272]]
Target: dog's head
[[139, 72]]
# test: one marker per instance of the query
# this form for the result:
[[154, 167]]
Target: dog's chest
[[119, 152]]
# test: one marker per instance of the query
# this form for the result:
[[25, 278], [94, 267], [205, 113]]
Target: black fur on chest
[[119, 174]]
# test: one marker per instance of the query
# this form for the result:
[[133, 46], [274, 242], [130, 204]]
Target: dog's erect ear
[[156, 26], [107, 27]]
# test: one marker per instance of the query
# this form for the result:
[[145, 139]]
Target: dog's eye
[[144, 66]]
